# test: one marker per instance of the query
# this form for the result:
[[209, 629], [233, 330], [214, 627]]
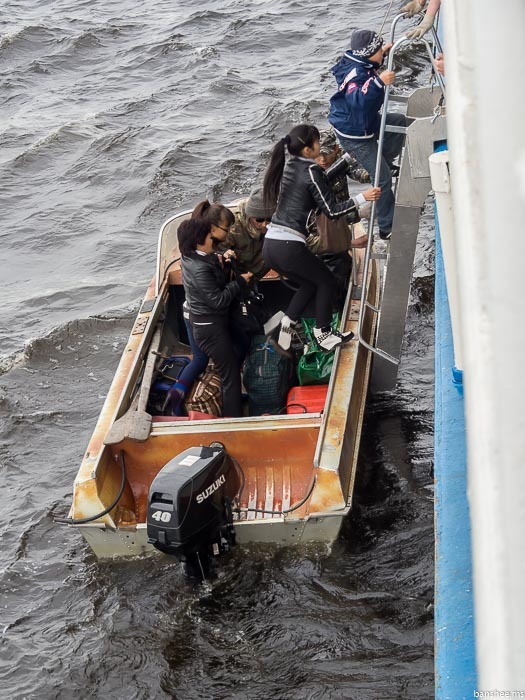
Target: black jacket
[[208, 291], [305, 187]]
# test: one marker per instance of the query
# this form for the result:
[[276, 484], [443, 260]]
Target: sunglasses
[[226, 230], [263, 221]]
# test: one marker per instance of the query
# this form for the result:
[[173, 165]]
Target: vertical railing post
[[371, 223]]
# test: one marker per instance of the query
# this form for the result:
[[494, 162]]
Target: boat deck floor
[[277, 462]]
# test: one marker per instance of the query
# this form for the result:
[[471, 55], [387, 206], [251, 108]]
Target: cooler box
[[306, 399]]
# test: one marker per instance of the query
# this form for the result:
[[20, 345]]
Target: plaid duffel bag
[[206, 394]]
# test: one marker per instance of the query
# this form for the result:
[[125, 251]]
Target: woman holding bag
[[209, 295], [221, 220], [298, 187]]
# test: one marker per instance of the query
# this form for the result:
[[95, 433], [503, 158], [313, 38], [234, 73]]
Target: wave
[[30, 37], [201, 17], [9, 362], [144, 55], [63, 335], [63, 137], [39, 35]]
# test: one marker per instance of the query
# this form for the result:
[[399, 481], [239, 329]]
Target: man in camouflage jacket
[[348, 167], [246, 237]]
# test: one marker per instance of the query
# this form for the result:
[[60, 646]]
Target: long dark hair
[[191, 233], [216, 213], [301, 136]]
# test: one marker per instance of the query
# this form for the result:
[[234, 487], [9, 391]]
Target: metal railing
[[364, 292], [401, 16]]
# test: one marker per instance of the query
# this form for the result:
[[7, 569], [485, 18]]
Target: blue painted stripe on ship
[[455, 665]]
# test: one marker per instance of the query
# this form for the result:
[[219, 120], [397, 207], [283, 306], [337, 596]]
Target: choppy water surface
[[113, 116]]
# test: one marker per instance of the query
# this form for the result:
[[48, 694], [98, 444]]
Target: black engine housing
[[190, 504]]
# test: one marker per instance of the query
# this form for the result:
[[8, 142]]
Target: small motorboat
[[194, 484]]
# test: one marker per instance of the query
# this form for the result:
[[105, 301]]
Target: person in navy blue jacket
[[354, 115]]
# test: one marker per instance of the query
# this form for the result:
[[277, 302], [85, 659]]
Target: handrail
[[371, 222], [436, 39], [401, 16], [431, 56], [394, 24]]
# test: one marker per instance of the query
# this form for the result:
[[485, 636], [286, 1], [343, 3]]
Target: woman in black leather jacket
[[299, 187], [209, 295]]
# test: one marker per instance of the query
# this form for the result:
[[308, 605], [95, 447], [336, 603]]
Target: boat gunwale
[[297, 420], [159, 279], [159, 294]]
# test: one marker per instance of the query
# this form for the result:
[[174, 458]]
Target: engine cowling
[[190, 504]]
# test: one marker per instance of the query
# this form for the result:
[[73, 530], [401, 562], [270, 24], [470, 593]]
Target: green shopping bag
[[315, 366]]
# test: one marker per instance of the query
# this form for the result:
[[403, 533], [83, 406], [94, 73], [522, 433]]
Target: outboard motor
[[190, 506]]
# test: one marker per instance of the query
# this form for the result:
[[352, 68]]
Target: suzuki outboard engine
[[190, 506]]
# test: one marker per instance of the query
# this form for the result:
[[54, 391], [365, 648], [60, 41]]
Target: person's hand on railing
[[372, 193], [359, 242], [413, 7], [439, 64], [387, 76], [386, 47], [422, 29]]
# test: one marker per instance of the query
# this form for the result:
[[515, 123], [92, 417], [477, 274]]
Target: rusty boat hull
[[308, 459]]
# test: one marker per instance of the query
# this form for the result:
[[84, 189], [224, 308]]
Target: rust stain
[[277, 458], [327, 495]]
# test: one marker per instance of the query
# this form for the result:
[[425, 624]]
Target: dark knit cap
[[365, 43], [255, 206]]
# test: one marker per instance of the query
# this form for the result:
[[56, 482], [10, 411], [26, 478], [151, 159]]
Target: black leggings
[[293, 260], [213, 336]]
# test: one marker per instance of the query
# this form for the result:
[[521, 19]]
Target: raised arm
[[427, 22], [325, 199]]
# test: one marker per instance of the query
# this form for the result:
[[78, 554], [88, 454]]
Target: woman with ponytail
[[297, 187], [209, 295], [220, 220]]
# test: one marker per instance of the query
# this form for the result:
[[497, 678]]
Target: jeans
[[198, 362], [365, 151], [298, 264]]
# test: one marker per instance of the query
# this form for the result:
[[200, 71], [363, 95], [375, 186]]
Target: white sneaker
[[286, 332], [272, 323], [329, 340]]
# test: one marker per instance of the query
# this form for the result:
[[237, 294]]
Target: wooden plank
[[261, 492], [251, 486], [287, 486], [268, 503], [277, 490]]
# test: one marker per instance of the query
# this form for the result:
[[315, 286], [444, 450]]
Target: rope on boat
[[81, 521], [242, 477], [386, 16]]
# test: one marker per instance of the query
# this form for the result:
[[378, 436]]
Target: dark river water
[[113, 117]]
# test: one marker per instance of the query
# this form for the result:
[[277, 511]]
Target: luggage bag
[[306, 399]]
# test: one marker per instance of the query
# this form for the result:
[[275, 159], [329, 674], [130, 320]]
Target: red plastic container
[[311, 398]]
